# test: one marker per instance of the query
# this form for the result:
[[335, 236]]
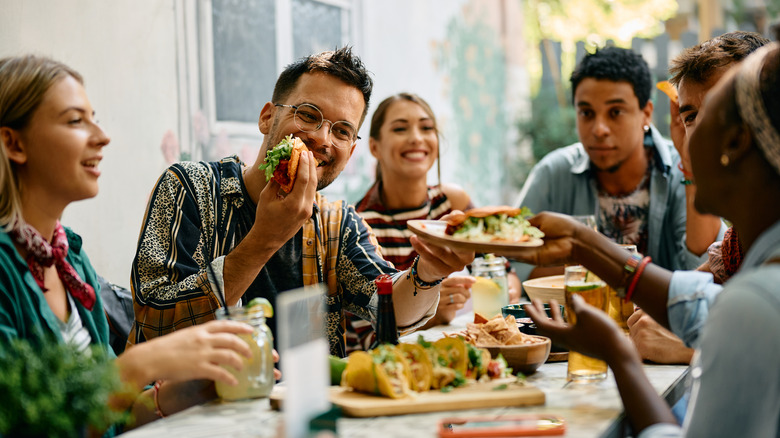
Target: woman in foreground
[[50, 149], [735, 151]]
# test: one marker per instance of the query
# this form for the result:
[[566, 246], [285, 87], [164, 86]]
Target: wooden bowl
[[524, 358], [545, 288]]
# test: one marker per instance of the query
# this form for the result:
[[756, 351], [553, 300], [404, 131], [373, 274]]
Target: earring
[[646, 128], [724, 160]]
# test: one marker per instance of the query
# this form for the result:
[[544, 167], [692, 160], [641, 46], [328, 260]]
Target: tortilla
[[452, 353], [382, 371], [420, 366]]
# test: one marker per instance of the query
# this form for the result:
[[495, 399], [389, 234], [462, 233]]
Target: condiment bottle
[[386, 329]]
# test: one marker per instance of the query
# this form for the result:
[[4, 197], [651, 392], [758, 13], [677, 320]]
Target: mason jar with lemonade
[[256, 378], [490, 292]]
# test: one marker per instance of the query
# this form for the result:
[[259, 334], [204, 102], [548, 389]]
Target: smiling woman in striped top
[[404, 139]]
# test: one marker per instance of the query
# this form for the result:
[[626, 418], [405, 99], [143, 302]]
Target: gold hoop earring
[[724, 160]]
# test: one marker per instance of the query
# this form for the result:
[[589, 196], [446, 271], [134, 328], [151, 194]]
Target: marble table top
[[590, 410]]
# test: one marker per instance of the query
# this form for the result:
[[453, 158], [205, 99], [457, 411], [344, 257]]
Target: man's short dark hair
[[699, 62], [618, 65], [339, 63]]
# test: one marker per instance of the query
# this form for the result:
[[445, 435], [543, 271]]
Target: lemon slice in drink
[[268, 310], [487, 286]]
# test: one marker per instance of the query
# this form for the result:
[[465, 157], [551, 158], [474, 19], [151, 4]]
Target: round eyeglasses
[[308, 118]]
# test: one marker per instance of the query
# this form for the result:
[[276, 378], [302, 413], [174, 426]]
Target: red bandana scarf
[[41, 254]]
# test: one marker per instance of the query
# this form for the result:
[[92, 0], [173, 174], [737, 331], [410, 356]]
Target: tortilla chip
[[479, 319], [668, 89]]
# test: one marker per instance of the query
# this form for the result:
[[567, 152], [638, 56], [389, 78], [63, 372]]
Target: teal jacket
[[24, 312]]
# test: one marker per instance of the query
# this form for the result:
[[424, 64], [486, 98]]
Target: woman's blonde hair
[[24, 81]]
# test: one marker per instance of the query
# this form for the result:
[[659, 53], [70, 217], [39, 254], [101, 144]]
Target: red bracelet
[[685, 173], [157, 409], [635, 280]]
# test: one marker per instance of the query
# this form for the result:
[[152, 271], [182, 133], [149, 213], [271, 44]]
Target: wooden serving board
[[474, 396]]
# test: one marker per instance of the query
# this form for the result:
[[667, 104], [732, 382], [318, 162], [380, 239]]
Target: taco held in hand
[[281, 162]]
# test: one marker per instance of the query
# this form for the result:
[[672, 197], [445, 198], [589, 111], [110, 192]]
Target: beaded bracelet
[[418, 282], [635, 280], [157, 409]]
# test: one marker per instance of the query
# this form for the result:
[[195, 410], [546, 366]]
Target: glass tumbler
[[578, 280]]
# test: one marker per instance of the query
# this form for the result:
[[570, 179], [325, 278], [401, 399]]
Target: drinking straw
[[221, 294]]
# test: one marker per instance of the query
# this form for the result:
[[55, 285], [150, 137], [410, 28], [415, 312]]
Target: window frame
[[195, 60]]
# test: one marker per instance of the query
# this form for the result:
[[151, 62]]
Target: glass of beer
[[619, 309], [580, 281]]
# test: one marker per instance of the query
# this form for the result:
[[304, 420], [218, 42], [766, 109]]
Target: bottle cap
[[384, 284]]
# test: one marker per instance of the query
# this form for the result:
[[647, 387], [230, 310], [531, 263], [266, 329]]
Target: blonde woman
[[50, 156]]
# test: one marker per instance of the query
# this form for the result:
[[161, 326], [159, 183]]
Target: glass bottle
[[386, 329], [490, 292], [256, 379]]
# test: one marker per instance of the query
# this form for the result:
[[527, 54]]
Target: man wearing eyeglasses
[[219, 227]]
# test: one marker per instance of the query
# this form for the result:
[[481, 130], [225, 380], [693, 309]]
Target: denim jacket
[[562, 182]]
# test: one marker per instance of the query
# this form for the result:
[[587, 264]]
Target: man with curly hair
[[622, 171]]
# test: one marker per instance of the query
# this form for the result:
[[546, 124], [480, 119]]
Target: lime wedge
[[337, 366], [581, 287], [268, 310]]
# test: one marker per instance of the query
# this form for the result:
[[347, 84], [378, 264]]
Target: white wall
[[125, 49]]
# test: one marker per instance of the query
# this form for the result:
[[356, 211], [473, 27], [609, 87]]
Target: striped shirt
[[390, 225], [199, 212], [73, 332], [390, 229]]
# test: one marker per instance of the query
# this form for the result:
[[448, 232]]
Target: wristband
[[635, 280], [687, 176], [157, 409], [418, 282], [628, 270]]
